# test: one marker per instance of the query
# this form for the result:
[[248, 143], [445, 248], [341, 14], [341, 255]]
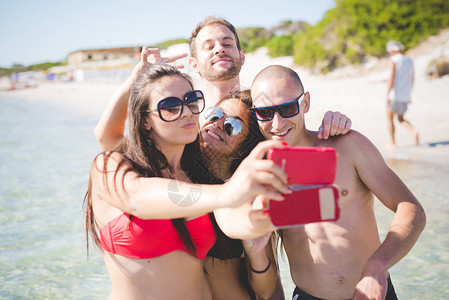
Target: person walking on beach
[[154, 246], [399, 89], [344, 259]]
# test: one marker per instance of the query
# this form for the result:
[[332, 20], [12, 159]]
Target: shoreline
[[87, 98], [362, 98]]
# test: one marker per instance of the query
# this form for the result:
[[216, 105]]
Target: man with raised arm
[[217, 57]]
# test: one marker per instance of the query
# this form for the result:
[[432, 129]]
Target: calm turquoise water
[[44, 163], [45, 155]]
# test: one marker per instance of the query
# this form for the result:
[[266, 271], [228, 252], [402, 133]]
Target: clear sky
[[36, 31]]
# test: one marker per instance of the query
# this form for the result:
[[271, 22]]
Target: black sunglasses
[[286, 110], [171, 108], [231, 125]]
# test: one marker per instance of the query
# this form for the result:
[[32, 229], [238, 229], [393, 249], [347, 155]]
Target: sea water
[[423, 273], [45, 157]]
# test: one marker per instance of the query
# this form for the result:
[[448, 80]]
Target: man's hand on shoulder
[[334, 123]]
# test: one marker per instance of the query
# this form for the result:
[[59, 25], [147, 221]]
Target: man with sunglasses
[[342, 259], [216, 55]]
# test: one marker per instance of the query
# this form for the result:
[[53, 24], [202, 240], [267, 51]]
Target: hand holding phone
[[311, 172]]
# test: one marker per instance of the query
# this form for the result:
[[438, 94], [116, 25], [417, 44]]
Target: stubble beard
[[210, 74]]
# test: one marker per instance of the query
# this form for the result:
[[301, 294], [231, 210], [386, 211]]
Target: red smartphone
[[311, 172], [307, 204], [306, 165]]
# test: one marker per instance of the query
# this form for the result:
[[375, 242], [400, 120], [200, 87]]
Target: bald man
[[342, 259]]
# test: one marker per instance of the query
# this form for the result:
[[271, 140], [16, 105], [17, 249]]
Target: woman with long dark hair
[[223, 154], [148, 200]]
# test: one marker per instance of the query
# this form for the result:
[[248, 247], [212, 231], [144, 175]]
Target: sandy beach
[[359, 92]]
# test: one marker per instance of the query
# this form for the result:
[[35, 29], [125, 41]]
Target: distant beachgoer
[[344, 259], [154, 246], [13, 80], [399, 89]]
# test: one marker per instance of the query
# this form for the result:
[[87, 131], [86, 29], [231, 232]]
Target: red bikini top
[[137, 238]]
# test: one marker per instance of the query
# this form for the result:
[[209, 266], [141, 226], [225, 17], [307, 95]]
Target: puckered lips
[[189, 125]]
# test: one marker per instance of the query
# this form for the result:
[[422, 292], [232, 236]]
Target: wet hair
[[209, 21], [140, 153], [253, 137]]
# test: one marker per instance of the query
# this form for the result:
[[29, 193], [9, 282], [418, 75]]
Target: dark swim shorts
[[299, 294]]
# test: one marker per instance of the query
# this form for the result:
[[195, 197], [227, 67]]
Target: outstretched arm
[[111, 127], [334, 123], [249, 221], [150, 197], [243, 222], [408, 222]]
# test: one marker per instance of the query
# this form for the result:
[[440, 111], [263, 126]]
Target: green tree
[[252, 38], [358, 28], [280, 46]]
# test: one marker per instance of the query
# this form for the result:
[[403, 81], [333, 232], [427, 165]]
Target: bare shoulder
[[105, 162], [109, 171], [356, 147], [353, 140]]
